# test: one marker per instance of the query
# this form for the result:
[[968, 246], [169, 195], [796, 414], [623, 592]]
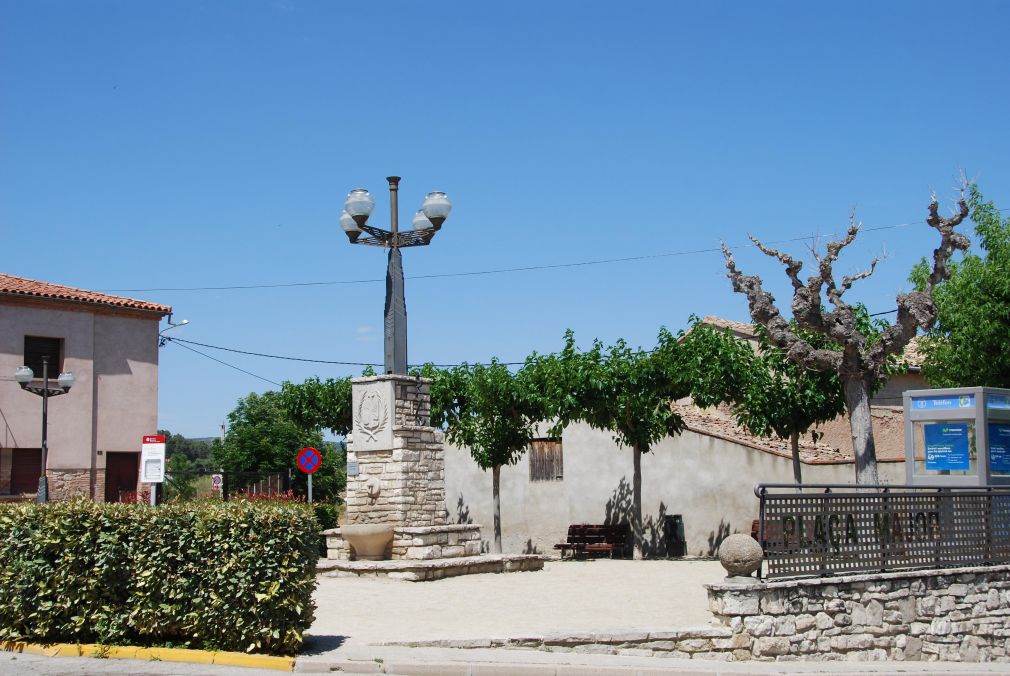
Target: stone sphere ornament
[[740, 555]]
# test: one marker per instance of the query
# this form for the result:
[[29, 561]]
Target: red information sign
[[154, 439], [309, 460]]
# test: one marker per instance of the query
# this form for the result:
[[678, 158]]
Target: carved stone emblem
[[373, 415], [373, 408]]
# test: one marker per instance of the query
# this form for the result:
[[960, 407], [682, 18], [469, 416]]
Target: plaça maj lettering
[[833, 529]]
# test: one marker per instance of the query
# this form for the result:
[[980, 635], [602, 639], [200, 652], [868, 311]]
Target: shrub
[[227, 576], [326, 514]]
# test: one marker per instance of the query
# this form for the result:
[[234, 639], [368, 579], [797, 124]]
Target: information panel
[[999, 447], [152, 459], [947, 446]]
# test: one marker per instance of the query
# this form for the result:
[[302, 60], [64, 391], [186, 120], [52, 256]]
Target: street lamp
[[426, 222], [24, 375], [162, 339]]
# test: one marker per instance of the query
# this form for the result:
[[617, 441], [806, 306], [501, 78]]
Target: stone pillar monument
[[400, 459], [400, 480]]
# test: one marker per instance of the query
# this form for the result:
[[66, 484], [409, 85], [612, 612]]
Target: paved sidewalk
[[506, 662], [447, 662]]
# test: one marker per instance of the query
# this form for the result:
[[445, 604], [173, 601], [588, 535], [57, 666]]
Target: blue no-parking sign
[[309, 460]]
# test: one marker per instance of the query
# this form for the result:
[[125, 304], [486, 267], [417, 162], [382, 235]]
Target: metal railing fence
[[830, 529]]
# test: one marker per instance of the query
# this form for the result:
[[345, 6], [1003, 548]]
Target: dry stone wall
[[936, 615]]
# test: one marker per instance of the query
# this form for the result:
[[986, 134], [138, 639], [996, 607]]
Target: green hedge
[[225, 576]]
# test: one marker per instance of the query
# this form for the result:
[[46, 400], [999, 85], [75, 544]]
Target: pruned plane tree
[[858, 361]]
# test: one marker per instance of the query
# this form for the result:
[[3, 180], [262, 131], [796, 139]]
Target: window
[[546, 460], [36, 348]]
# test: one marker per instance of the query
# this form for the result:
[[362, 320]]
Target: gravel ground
[[566, 596]]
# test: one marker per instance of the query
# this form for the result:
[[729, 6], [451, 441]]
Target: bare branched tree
[[858, 363]]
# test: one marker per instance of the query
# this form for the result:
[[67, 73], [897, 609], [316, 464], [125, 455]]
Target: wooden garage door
[[26, 468], [121, 471]]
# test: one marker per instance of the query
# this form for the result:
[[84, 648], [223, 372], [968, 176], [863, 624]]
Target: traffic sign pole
[[310, 489]]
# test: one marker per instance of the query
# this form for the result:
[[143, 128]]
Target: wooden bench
[[595, 539]]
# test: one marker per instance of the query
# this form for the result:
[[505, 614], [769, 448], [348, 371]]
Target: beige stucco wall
[[114, 401], [891, 393], [708, 480], [126, 393]]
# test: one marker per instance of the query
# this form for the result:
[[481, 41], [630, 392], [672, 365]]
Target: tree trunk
[[636, 504], [794, 441], [857, 402], [496, 490]]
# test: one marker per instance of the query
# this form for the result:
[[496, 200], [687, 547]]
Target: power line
[[498, 271], [231, 366], [169, 339], [271, 356]]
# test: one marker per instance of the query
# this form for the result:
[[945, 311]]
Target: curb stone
[[191, 656]]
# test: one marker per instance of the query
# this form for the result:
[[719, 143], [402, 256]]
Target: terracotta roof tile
[[835, 446], [30, 288], [912, 354]]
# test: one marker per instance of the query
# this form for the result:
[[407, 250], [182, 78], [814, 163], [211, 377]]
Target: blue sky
[[149, 145]]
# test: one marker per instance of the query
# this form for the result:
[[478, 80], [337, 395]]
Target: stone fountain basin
[[369, 540]]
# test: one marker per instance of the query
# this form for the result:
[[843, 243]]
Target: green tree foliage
[[316, 404], [624, 390], [968, 345], [489, 410], [197, 451], [769, 394], [181, 477], [261, 437]]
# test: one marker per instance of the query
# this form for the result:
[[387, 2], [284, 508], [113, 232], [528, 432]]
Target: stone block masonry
[[959, 615], [416, 543], [69, 483], [404, 484]]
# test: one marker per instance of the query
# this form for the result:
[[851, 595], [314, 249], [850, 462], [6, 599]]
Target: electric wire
[[169, 339], [231, 366], [497, 271], [451, 274]]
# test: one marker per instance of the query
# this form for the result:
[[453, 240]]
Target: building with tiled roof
[[697, 486], [110, 344], [888, 395], [28, 291]]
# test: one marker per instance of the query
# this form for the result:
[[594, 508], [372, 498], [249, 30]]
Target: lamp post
[[426, 222], [24, 375]]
